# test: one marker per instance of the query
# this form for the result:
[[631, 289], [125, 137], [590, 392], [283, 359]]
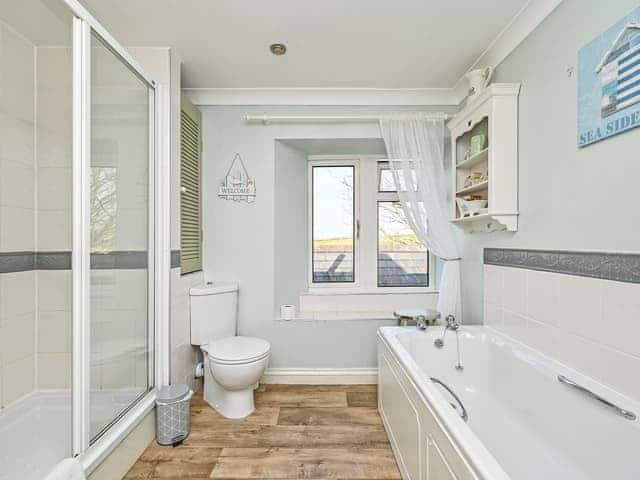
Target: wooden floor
[[297, 431]]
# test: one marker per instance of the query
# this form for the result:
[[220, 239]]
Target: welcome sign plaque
[[237, 185]]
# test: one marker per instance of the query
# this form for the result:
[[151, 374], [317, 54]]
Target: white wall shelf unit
[[494, 114]]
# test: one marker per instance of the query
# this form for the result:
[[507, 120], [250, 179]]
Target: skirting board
[[321, 376]]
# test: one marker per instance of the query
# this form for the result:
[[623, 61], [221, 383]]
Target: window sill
[[324, 291], [340, 316]]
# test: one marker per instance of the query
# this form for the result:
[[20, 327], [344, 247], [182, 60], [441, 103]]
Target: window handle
[[357, 229]]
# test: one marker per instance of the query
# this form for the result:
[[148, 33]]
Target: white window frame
[[366, 198], [334, 162]]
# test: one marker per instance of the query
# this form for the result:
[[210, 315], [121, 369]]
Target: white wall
[[239, 238], [570, 198]]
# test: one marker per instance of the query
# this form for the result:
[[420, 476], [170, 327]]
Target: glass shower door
[[120, 220]]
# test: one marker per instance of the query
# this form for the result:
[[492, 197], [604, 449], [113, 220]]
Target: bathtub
[[522, 422]]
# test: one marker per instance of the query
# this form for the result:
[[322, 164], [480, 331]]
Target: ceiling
[[331, 43]]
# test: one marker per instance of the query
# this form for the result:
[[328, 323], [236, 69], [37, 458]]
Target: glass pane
[[385, 178], [402, 260], [333, 224], [119, 204], [35, 305]]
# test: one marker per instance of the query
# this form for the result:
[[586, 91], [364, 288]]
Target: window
[[333, 226], [360, 239], [190, 197], [402, 259]]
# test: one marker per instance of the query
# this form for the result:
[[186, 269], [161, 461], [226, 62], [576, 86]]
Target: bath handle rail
[[463, 411], [619, 410]]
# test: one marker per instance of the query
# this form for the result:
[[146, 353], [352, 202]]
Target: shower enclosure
[[78, 263]]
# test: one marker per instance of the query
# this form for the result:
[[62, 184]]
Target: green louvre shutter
[[190, 186]]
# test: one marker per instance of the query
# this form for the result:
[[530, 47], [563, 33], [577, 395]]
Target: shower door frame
[[92, 453]]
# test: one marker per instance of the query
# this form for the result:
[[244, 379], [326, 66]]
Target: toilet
[[233, 364]]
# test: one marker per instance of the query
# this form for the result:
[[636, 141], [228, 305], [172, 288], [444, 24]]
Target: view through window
[[333, 224], [355, 208]]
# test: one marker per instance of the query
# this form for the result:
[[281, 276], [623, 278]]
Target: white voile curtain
[[415, 147]]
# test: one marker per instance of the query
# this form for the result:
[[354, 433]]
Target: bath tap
[[451, 324]]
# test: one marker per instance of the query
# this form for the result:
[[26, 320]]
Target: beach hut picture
[[619, 71]]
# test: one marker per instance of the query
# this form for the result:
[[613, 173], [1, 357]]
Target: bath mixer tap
[[451, 324]]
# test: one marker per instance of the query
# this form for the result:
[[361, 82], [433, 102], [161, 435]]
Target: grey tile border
[[53, 260], [122, 260], [621, 267], [11, 262]]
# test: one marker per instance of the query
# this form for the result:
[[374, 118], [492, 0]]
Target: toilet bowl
[[233, 367]]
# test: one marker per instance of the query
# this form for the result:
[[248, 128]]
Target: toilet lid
[[238, 349]]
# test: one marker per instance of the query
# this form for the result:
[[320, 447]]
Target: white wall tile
[[18, 337], [17, 95], [17, 294], [543, 337], [54, 332], [183, 356], [589, 324], [621, 310], [54, 188], [17, 184], [515, 290], [54, 147], [54, 371], [493, 315], [17, 139], [493, 284], [18, 380], [580, 306], [54, 230], [542, 296], [514, 325], [17, 229], [54, 290], [579, 353]]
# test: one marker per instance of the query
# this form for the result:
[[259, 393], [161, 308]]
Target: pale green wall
[[290, 217], [239, 239], [570, 198]]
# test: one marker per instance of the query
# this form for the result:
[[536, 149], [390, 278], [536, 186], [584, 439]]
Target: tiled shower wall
[[53, 215], [590, 323], [17, 214], [35, 215]]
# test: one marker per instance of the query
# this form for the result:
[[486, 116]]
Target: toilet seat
[[238, 350]]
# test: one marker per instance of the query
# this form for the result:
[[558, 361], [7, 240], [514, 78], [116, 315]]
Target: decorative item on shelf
[[471, 205], [475, 178], [478, 80], [478, 143]]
